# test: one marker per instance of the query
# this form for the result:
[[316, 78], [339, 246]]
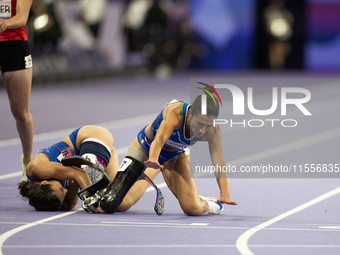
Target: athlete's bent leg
[[127, 174], [137, 190], [177, 175], [105, 136]]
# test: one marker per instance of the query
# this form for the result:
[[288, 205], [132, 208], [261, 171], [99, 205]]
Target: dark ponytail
[[41, 197]]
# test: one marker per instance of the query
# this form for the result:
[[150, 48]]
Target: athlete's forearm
[[16, 21], [221, 176], [155, 149], [223, 184], [22, 11], [82, 178]]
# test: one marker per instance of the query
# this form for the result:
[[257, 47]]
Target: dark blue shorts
[[73, 138], [54, 151]]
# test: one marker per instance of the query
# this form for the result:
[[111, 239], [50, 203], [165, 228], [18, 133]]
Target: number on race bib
[[28, 61], [125, 163]]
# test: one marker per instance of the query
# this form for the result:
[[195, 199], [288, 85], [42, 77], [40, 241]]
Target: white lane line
[[124, 246], [7, 234], [199, 224], [155, 223], [142, 225], [6, 176], [164, 246], [324, 224], [330, 227], [297, 246], [241, 243], [171, 225]]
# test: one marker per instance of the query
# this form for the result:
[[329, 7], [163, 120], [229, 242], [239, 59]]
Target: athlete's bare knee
[[192, 209], [20, 115]]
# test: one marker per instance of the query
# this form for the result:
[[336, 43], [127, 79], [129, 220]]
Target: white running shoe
[[214, 206]]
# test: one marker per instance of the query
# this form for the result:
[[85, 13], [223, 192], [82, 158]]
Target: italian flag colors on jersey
[[142, 141]]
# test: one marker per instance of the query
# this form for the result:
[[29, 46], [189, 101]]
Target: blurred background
[[80, 39]]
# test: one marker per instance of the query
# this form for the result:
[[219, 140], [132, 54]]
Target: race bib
[[125, 163], [5, 9], [68, 152], [28, 61]]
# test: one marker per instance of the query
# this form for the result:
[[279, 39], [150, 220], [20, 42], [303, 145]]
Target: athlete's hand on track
[[3, 25], [153, 164], [224, 200]]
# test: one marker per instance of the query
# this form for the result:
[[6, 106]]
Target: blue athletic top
[[177, 139], [58, 151]]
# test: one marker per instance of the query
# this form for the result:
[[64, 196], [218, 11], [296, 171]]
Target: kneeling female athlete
[[163, 145]]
